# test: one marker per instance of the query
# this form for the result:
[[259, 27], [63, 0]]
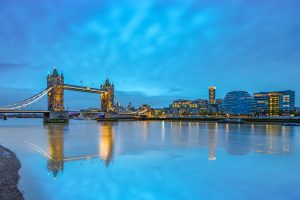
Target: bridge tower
[[107, 98], [56, 95]]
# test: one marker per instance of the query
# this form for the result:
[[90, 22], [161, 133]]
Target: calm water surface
[[154, 160]]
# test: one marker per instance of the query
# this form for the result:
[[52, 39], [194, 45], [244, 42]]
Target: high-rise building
[[238, 102], [275, 103], [212, 94]]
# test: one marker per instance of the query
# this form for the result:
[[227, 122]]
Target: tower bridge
[[56, 112], [55, 94]]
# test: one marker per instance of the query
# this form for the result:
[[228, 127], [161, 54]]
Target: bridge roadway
[[24, 111], [44, 111], [83, 89]]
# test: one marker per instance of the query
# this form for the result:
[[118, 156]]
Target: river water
[[154, 160]]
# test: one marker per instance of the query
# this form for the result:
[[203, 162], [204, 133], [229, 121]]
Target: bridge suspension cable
[[26, 102]]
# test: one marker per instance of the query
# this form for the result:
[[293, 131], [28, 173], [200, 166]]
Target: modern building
[[297, 111], [202, 106], [215, 108], [212, 94], [275, 103], [194, 107], [287, 102], [238, 103], [183, 104], [184, 107]]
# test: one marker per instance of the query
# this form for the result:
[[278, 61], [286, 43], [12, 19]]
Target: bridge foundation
[[56, 117]]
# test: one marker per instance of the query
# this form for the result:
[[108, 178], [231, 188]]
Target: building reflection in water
[[238, 139], [212, 137], [163, 132], [180, 133], [266, 139], [55, 162], [235, 139], [276, 140], [145, 125], [106, 142]]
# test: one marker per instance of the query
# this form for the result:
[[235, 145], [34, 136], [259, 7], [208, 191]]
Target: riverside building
[[212, 94], [183, 107], [238, 103], [278, 103]]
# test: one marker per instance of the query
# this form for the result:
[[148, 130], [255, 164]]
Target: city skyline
[[154, 52]]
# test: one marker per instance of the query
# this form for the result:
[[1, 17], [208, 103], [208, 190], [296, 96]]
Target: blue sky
[[154, 51]]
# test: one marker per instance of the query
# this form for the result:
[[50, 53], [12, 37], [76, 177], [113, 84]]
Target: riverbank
[[9, 177], [248, 120]]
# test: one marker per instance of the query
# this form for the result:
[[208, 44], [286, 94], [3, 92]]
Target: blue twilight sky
[[154, 51]]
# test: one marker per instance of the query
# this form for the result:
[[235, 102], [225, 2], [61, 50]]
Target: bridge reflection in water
[[56, 157], [55, 149], [235, 140], [106, 142]]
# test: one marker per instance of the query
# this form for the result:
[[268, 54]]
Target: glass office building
[[275, 103], [238, 103]]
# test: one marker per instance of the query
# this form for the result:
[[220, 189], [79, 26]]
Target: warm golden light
[[55, 149], [106, 142]]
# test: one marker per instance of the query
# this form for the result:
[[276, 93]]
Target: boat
[[291, 124], [232, 121]]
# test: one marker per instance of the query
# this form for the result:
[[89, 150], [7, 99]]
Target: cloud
[[153, 47], [174, 90], [139, 98], [13, 66], [10, 95]]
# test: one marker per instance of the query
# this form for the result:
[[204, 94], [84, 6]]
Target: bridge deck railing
[[83, 89]]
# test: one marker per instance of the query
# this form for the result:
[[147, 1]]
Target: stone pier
[[56, 117]]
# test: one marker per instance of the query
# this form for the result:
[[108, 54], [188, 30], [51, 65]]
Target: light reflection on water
[[154, 160]]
